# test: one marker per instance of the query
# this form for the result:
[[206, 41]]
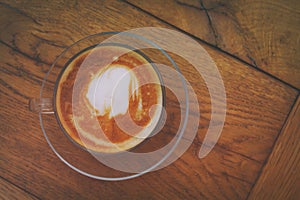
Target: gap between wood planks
[[211, 45], [272, 148]]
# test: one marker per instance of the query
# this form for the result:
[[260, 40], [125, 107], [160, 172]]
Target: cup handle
[[41, 105]]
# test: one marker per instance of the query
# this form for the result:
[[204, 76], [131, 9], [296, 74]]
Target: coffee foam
[[107, 86], [110, 91]]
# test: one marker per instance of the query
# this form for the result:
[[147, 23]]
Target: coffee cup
[[107, 98]]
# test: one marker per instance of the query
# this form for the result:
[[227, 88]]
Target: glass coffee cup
[[101, 99]]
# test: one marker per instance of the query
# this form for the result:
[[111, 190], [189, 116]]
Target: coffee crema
[[106, 98]]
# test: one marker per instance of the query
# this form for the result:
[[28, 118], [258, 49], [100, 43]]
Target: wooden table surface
[[255, 45]]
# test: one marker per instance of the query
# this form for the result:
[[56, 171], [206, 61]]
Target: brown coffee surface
[[78, 116]]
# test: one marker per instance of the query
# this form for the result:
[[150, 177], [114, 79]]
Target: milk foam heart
[[110, 91]]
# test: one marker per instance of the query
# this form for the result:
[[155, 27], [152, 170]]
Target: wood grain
[[34, 34], [263, 33], [280, 176], [10, 191]]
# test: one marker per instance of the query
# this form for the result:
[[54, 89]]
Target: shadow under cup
[[110, 98]]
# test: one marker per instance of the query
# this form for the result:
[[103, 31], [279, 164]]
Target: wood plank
[[10, 191], [280, 176], [34, 34], [263, 33]]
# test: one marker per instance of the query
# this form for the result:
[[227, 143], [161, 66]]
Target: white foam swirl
[[112, 88]]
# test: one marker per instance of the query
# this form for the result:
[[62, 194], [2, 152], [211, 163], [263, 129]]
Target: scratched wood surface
[[10, 191], [33, 34], [262, 33]]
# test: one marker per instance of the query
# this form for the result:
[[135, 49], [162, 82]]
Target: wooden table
[[255, 45]]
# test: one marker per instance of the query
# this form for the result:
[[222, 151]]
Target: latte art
[[108, 103], [112, 90]]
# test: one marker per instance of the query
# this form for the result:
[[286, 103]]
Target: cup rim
[[67, 65]]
